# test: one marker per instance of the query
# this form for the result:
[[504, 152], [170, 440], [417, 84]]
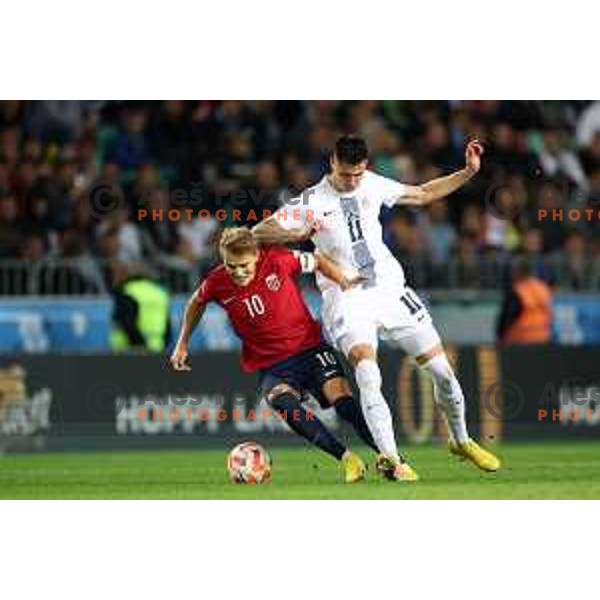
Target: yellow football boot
[[472, 451], [354, 468], [393, 470]]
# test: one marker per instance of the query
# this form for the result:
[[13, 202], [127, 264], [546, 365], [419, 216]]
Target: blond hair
[[237, 240]]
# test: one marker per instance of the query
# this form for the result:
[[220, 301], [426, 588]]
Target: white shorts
[[361, 316]]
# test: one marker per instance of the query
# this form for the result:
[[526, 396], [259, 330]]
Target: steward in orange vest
[[526, 315]]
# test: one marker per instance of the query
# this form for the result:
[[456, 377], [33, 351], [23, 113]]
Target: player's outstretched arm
[[420, 195], [270, 233], [194, 310], [332, 271]]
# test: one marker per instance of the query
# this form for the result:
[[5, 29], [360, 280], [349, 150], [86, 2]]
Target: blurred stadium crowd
[[53, 154]]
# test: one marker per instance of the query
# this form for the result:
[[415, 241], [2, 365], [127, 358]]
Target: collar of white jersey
[[344, 194]]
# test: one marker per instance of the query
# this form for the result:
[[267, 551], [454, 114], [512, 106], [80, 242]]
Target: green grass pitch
[[531, 471]]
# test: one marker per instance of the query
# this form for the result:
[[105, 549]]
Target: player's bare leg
[[377, 413], [450, 399]]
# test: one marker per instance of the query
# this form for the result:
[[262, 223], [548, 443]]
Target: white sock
[[375, 409], [448, 396]]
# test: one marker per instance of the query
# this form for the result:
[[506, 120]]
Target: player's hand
[[473, 153], [304, 233], [349, 282], [179, 359]]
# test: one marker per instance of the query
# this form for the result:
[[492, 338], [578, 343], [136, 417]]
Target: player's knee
[[281, 393], [368, 374], [361, 352], [440, 370], [286, 402], [334, 390], [437, 350]]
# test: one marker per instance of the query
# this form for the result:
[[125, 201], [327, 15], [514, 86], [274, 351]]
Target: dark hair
[[351, 150]]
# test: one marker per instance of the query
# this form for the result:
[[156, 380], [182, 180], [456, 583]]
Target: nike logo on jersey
[[329, 212], [228, 300]]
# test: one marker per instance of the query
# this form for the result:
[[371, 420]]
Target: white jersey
[[350, 231]]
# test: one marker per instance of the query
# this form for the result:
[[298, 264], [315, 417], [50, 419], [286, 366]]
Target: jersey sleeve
[[294, 214], [206, 292], [385, 190], [307, 261], [289, 261]]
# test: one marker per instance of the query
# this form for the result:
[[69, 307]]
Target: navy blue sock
[[349, 410], [307, 424]]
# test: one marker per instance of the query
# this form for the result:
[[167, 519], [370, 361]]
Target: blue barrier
[[44, 324], [577, 319], [39, 325]]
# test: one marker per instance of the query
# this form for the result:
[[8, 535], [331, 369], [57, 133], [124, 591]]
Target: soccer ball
[[250, 463]]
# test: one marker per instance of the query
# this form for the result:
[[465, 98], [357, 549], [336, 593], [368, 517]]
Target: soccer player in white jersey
[[341, 214]]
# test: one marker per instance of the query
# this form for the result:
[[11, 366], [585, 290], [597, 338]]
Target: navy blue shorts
[[305, 372]]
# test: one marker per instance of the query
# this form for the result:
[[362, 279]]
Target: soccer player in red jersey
[[257, 288]]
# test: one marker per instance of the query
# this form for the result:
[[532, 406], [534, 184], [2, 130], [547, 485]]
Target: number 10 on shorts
[[326, 359]]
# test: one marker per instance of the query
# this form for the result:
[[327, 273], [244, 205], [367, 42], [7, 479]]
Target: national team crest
[[273, 282]]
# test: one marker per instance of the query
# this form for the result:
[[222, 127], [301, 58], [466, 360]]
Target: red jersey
[[269, 314]]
